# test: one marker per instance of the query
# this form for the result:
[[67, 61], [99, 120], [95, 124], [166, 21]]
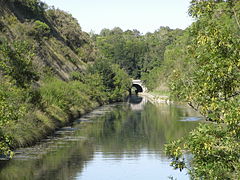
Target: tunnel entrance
[[136, 88]]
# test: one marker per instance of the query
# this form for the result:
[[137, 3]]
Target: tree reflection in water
[[129, 129]]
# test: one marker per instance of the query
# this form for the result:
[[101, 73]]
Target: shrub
[[12, 109], [116, 81], [16, 62], [40, 30], [63, 94]]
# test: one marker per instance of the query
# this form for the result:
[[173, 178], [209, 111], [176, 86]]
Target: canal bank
[[156, 98], [45, 121]]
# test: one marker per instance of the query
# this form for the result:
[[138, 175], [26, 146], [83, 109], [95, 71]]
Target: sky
[[143, 15]]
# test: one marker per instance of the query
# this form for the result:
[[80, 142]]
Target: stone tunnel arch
[[138, 84]]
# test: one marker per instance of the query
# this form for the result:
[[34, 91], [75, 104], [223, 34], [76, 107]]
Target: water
[[123, 141]]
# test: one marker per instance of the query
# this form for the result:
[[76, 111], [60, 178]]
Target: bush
[[64, 94], [16, 62], [12, 109], [116, 81], [40, 30]]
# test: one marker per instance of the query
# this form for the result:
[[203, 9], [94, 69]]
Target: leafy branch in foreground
[[210, 83]]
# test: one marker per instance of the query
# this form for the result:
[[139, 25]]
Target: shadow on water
[[134, 129]]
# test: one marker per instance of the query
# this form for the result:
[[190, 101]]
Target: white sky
[[143, 15]]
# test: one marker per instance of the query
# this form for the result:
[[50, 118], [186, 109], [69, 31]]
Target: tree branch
[[192, 106], [235, 16], [235, 94], [196, 108]]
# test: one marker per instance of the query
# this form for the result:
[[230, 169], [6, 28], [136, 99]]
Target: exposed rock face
[[59, 44]]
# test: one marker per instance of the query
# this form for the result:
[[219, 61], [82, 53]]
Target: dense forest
[[51, 71]]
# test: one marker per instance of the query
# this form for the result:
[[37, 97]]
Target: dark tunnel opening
[[138, 88]]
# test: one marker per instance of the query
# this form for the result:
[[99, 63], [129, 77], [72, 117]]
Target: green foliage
[[137, 54], [68, 26], [208, 81], [12, 108], [157, 66], [27, 113], [214, 52], [95, 88], [40, 30], [16, 62], [9, 19], [157, 43], [151, 78], [85, 90], [36, 7], [103, 68], [122, 83], [123, 48], [174, 151], [115, 80], [87, 52], [64, 95], [216, 153]]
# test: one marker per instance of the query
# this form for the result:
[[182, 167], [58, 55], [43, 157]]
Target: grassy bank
[[30, 113], [157, 96]]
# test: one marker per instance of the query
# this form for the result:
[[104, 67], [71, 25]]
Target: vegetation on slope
[[45, 73]]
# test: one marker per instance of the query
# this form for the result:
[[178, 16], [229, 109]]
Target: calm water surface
[[123, 141]]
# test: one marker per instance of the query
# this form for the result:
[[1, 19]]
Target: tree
[[155, 65], [123, 48], [212, 87], [116, 81]]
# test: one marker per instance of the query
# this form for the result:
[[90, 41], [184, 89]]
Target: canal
[[122, 141]]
